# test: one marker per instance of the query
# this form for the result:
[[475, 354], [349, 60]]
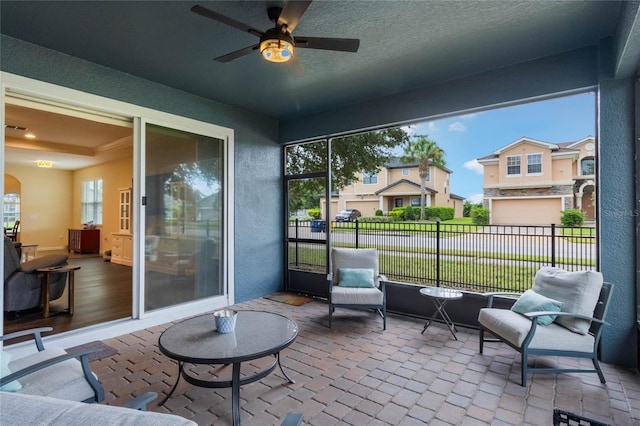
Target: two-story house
[[533, 182], [396, 185]]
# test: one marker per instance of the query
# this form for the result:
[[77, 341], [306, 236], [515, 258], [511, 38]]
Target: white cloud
[[457, 127], [473, 165], [475, 198], [432, 126], [410, 129]]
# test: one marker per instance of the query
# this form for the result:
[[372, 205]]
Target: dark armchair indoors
[[22, 282], [12, 232]]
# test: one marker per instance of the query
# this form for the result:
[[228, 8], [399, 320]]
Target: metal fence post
[[297, 241], [357, 233], [553, 244], [438, 253]]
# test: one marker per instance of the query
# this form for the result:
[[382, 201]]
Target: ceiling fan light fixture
[[277, 47]]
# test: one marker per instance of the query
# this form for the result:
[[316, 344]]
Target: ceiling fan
[[277, 44]]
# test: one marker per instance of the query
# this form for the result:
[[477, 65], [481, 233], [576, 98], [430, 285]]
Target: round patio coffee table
[[257, 335]]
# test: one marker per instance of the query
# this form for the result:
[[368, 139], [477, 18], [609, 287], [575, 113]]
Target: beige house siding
[[560, 179], [368, 198]]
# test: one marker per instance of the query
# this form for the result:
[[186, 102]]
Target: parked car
[[348, 215]]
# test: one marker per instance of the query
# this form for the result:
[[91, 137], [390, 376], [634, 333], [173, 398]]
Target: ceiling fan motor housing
[[277, 45]]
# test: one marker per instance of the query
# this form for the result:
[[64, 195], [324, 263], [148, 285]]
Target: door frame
[[11, 83]]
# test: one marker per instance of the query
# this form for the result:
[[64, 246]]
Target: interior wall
[[45, 205], [11, 185], [257, 185], [115, 175]]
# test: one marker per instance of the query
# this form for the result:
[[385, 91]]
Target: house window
[[92, 201], [534, 164], [428, 178], [415, 201], [397, 202], [588, 166], [513, 165], [11, 211], [369, 178], [405, 172]]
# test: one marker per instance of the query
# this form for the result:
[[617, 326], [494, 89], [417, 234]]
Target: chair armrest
[[564, 314], [37, 335], [506, 294], [30, 266], [83, 356], [140, 402]]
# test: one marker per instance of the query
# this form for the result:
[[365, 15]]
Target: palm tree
[[427, 153]]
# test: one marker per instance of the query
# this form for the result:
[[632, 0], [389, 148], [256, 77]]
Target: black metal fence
[[467, 257]]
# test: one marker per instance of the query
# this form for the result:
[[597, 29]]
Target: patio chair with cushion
[[49, 372], [355, 282], [562, 315]]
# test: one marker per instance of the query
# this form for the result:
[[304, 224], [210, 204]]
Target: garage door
[[541, 211]]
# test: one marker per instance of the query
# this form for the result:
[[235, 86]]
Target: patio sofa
[[19, 409]]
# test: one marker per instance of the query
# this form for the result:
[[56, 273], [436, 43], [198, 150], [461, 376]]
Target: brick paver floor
[[358, 374]]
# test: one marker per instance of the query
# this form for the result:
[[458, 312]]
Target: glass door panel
[[183, 217]]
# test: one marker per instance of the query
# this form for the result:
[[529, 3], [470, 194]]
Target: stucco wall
[[258, 184], [564, 73]]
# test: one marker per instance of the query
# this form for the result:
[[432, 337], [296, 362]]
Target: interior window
[[92, 201], [11, 211]]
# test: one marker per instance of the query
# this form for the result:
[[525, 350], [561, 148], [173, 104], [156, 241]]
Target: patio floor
[[356, 374]]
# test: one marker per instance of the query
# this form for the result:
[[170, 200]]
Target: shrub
[[480, 216], [314, 213], [378, 212], [397, 213], [410, 213], [376, 219], [572, 217]]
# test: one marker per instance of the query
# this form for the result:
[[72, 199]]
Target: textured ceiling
[[404, 44]]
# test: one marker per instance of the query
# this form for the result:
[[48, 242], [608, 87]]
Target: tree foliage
[[427, 153], [350, 155]]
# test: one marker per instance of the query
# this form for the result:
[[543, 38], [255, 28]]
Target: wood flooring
[[103, 292]]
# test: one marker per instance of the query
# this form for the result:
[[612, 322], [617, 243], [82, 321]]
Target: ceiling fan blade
[[208, 13], [326, 43], [292, 12], [237, 54]]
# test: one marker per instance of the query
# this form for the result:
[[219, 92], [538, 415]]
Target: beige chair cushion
[[356, 296], [514, 327], [579, 291], [64, 380], [19, 409]]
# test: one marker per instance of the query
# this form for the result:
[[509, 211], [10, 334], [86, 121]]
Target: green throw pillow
[[355, 277], [530, 301], [14, 386]]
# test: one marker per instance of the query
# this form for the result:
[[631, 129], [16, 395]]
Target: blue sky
[[468, 137]]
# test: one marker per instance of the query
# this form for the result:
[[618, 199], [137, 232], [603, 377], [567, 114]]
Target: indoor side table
[[440, 296], [64, 269], [256, 335]]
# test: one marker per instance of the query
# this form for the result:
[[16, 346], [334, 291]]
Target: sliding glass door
[[183, 217]]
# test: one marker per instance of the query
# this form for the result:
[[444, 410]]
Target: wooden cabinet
[[124, 211], [122, 241], [84, 240], [122, 249]]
